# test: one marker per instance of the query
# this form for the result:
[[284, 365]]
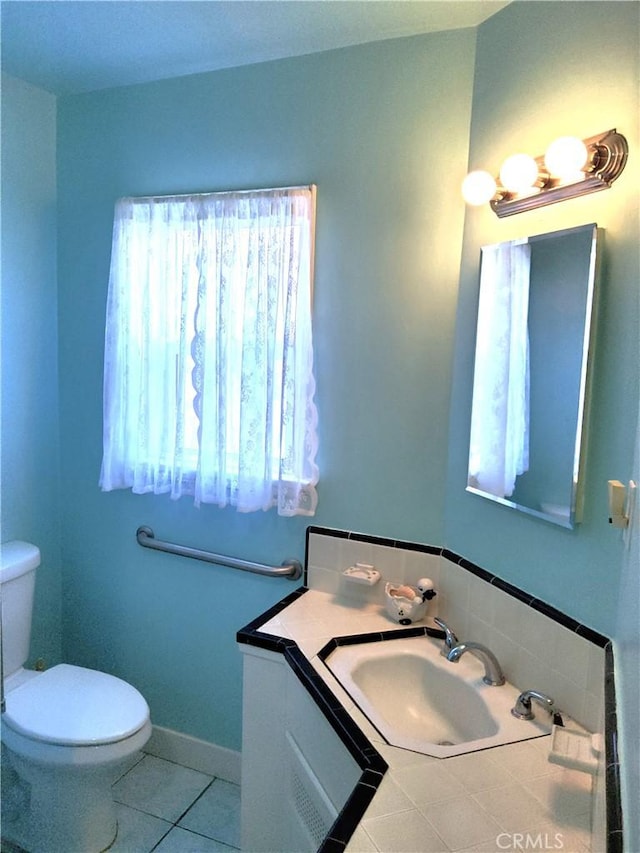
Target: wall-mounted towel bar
[[291, 569]]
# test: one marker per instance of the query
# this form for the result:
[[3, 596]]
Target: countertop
[[506, 798]]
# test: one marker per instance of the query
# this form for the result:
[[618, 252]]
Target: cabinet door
[[310, 812], [321, 774]]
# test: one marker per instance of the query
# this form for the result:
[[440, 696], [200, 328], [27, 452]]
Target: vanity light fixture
[[570, 167]]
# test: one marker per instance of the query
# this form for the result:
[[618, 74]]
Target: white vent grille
[[307, 812], [314, 811]]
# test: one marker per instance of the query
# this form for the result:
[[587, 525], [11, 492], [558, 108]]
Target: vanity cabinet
[[296, 773]]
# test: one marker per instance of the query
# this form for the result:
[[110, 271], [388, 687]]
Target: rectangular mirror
[[530, 381]]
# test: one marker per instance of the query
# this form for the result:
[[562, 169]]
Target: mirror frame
[[585, 383]]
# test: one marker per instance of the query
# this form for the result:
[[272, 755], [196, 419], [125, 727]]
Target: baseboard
[[194, 753]]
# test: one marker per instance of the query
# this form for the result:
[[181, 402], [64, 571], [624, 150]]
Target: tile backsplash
[[538, 647]]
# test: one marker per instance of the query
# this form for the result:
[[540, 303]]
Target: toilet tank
[[18, 564]]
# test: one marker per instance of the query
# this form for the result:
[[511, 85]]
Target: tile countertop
[[503, 799]]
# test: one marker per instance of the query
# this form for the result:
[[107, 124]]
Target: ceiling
[[71, 46]]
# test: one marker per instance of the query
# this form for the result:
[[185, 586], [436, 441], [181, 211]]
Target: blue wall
[[366, 124], [30, 447], [529, 90]]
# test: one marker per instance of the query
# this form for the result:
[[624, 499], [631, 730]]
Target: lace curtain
[[208, 374], [499, 446]]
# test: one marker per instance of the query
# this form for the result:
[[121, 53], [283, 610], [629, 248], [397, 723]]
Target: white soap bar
[[573, 749]]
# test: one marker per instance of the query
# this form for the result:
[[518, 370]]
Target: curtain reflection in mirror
[[499, 445]]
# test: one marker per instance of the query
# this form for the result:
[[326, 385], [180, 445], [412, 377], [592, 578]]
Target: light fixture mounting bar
[[608, 154]]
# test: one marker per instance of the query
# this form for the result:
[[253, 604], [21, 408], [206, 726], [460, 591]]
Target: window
[[208, 373]]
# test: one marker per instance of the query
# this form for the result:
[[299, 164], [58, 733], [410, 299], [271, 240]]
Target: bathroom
[[386, 131]]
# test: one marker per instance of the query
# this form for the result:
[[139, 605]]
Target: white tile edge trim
[[194, 753]]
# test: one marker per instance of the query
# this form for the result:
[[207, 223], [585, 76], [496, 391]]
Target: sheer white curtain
[[499, 446], [208, 379]]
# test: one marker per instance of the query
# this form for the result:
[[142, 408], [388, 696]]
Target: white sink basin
[[418, 700]]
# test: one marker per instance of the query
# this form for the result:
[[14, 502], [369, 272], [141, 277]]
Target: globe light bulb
[[478, 188], [519, 173], [566, 157]]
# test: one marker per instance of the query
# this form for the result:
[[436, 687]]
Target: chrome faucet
[[522, 708], [450, 638], [492, 670]]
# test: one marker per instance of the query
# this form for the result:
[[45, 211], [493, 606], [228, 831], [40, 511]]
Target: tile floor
[[166, 808]]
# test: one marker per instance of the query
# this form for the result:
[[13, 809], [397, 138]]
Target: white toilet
[[68, 732]]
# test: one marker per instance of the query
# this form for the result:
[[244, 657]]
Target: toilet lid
[[74, 706]]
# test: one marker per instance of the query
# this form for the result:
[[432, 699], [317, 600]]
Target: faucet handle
[[450, 639], [522, 709]]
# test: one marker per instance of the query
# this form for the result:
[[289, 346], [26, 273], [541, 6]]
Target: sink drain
[[446, 743]]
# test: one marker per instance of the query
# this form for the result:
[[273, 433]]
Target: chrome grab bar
[[291, 569]]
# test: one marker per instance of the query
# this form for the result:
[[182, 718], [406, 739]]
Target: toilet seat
[[73, 706]]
